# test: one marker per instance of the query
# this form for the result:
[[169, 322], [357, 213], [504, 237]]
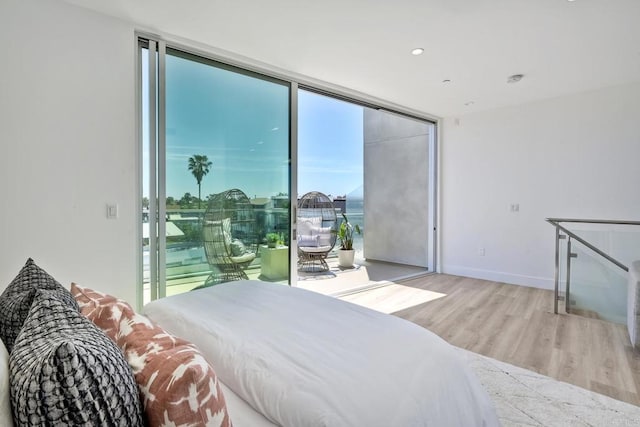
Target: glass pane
[[330, 183], [598, 286], [227, 174]]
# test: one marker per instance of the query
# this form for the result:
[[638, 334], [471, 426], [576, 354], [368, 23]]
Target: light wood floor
[[516, 324]]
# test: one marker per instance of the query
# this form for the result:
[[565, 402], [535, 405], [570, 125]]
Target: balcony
[[191, 271], [187, 267]]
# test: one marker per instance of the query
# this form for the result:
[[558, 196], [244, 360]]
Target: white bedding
[[305, 359]]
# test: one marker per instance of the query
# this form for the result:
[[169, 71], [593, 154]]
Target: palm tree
[[199, 165]]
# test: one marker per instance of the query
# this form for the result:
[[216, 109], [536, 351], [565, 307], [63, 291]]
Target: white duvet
[[305, 359]]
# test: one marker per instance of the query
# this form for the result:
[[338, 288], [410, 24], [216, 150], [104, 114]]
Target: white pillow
[[307, 241], [6, 415], [324, 235], [324, 240], [305, 225], [213, 233], [320, 230]]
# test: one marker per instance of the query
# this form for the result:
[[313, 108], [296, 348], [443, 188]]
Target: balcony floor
[[365, 274], [337, 281]]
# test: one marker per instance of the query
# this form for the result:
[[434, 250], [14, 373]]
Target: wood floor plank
[[516, 324]]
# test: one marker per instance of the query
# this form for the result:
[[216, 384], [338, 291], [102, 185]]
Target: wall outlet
[[481, 251]]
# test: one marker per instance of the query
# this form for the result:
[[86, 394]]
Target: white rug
[[525, 398]]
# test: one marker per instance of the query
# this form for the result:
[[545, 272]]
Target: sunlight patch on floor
[[392, 298]]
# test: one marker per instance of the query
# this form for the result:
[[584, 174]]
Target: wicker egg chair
[[230, 236], [316, 225]]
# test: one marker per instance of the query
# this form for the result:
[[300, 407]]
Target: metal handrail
[[556, 223], [592, 221], [589, 245]]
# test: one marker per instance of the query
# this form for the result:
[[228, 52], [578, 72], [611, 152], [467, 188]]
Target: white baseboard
[[500, 276]]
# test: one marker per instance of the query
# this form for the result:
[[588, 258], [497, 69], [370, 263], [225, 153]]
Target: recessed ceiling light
[[515, 78], [446, 81], [417, 51]]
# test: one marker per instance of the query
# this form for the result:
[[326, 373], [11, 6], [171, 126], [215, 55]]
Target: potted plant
[[272, 239], [345, 234]]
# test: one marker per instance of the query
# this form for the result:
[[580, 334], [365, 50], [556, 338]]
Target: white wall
[[67, 129], [576, 156]]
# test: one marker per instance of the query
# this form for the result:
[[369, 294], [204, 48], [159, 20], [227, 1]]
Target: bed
[[292, 357]]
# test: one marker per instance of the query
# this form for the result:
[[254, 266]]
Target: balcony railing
[[185, 257]]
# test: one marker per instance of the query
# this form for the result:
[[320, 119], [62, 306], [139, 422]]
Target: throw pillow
[[15, 301], [306, 241], [177, 385], [237, 248], [218, 231], [65, 371], [97, 305], [306, 224], [217, 238], [324, 233]]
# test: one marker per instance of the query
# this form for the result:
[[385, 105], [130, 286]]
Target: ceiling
[[560, 46]]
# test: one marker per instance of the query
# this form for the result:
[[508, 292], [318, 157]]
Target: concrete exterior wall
[[396, 187]]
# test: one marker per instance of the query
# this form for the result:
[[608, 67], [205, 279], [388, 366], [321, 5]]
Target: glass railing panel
[[603, 250], [621, 242], [598, 287]]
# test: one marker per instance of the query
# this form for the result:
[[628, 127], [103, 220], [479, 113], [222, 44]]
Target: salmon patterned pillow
[[100, 308], [177, 385]]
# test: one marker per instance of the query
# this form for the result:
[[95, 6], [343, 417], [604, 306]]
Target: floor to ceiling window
[[221, 174], [220, 147]]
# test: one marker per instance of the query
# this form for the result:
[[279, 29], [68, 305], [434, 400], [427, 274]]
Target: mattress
[[240, 413], [305, 359]]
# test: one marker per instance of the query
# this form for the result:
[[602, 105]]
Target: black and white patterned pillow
[[66, 371], [16, 299]]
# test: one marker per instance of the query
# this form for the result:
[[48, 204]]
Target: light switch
[[112, 211]]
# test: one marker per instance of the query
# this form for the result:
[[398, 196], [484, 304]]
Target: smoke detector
[[515, 78]]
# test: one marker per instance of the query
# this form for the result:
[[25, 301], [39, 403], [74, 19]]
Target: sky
[[330, 145], [242, 125]]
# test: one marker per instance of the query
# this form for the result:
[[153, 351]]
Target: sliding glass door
[[221, 175], [227, 157]]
